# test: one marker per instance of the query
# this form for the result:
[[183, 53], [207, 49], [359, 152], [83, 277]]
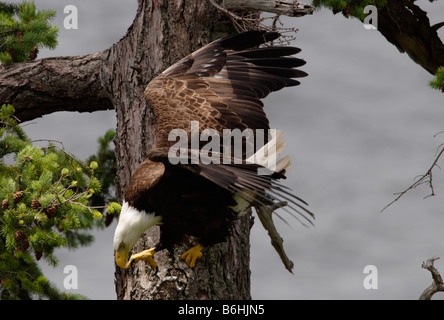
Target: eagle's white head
[[132, 224]]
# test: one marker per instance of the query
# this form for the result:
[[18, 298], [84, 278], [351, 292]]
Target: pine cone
[[346, 11], [35, 204], [20, 235], [51, 212], [11, 52], [109, 219], [18, 196], [33, 53], [22, 241], [5, 204], [38, 255]]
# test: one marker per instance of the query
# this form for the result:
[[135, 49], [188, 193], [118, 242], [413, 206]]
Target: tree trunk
[[162, 33]]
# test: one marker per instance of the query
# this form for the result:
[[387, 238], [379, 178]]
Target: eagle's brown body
[[189, 204]]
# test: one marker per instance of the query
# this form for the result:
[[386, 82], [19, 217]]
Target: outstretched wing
[[221, 85]]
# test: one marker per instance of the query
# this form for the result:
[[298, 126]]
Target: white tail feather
[[283, 164], [268, 154]]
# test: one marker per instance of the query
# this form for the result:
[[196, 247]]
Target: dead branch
[[426, 178], [265, 213], [291, 8], [437, 285], [252, 21]]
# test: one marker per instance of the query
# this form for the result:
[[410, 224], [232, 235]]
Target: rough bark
[[222, 273]]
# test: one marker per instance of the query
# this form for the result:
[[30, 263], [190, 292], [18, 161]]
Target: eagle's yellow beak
[[121, 257]]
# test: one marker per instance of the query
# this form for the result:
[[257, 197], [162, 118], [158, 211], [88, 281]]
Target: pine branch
[[23, 30], [45, 203], [8, 8], [438, 81]]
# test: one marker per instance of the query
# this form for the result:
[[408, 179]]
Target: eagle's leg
[[146, 255], [190, 256]]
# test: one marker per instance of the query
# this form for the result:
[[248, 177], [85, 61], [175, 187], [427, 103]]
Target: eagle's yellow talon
[[146, 255], [190, 256]]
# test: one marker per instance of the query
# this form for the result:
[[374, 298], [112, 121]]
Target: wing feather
[[221, 86]]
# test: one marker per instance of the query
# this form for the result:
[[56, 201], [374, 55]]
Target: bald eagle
[[197, 190]]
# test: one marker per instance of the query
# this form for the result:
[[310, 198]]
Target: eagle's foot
[[190, 256], [146, 255]]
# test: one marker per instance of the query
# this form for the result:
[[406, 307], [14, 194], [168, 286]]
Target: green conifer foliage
[[438, 81], [23, 30], [106, 173], [45, 196]]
